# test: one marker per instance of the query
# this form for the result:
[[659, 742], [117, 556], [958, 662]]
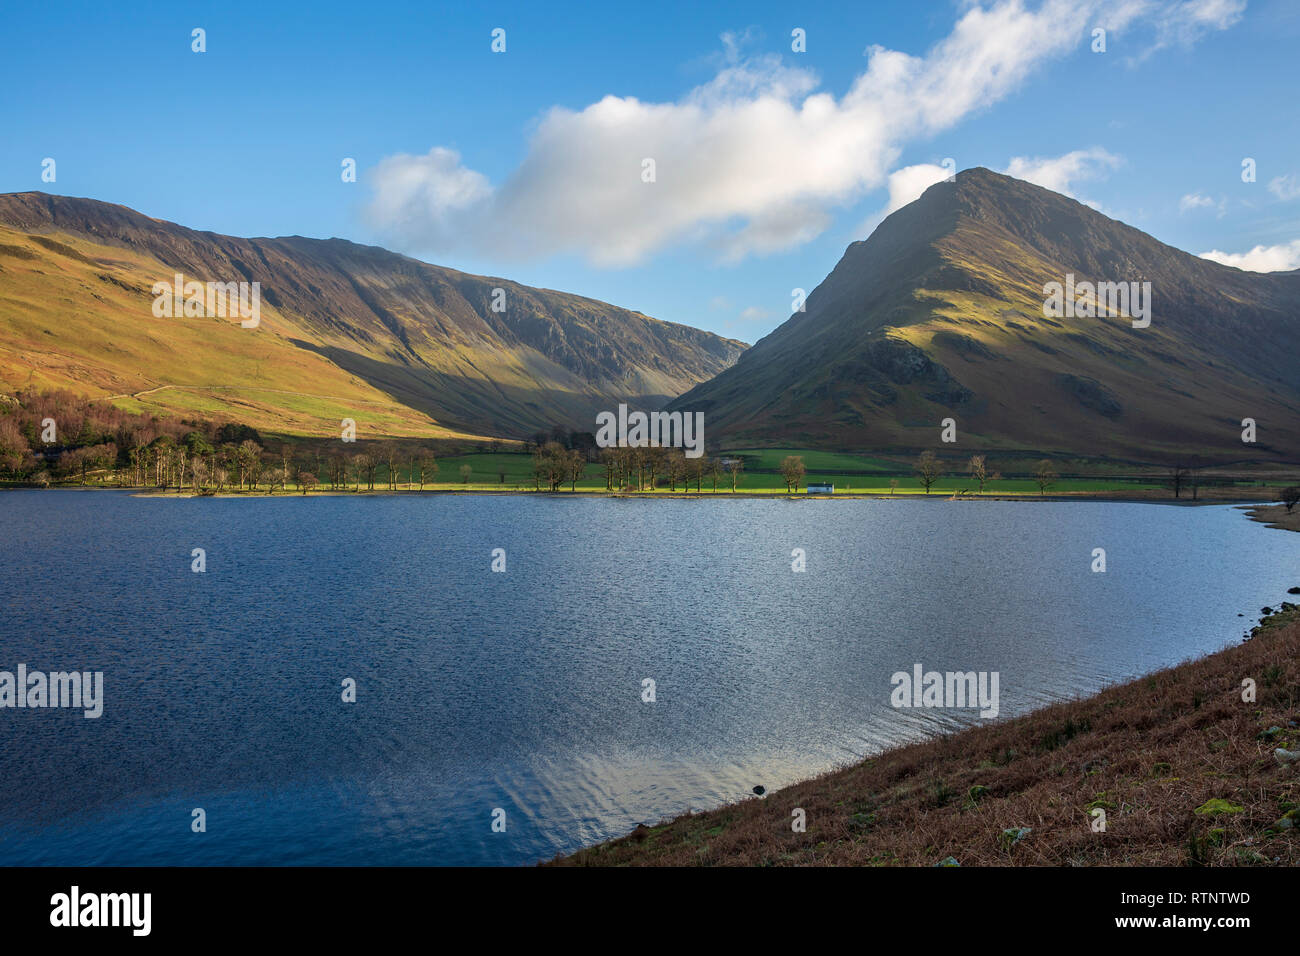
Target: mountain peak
[[940, 313]]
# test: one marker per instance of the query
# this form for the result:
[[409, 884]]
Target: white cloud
[[1285, 187], [1183, 24], [907, 184], [1060, 173], [754, 314], [1057, 173], [752, 162], [1280, 258], [1193, 201], [426, 192]]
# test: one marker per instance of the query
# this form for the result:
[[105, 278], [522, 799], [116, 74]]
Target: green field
[[513, 471], [856, 475], [823, 462]]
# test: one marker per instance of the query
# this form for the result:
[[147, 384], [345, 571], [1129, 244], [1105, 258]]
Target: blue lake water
[[523, 690]]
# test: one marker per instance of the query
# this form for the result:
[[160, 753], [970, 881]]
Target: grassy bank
[[854, 475], [1277, 516], [1185, 770]]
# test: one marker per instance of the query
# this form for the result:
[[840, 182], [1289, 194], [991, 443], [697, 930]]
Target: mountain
[[347, 331], [940, 314]]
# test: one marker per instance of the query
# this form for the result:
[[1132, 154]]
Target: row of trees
[[568, 439], [929, 469], [61, 436], [632, 469], [195, 464], [247, 466]]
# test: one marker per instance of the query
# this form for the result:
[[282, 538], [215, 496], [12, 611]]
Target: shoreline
[[1275, 516], [1270, 512], [1182, 769]]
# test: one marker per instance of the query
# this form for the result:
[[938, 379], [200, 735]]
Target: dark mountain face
[[940, 314], [425, 336]]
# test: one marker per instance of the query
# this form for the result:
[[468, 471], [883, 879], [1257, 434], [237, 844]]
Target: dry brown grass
[[1276, 516], [1149, 752]]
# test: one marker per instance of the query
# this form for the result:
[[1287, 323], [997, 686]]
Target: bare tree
[[428, 466], [792, 471], [1044, 476], [609, 457], [551, 464], [389, 454], [653, 462], [634, 466], [249, 458], [737, 469], [363, 466], [978, 471], [577, 467], [1177, 475], [928, 469], [1290, 497], [675, 468]]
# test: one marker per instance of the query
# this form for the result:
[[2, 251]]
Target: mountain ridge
[[939, 313], [422, 334]]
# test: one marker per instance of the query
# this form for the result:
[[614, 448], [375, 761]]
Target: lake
[[522, 690]]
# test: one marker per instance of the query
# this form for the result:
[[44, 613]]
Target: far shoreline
[[1264, 509]]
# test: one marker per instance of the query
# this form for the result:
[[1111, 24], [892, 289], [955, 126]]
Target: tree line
[[929, 469], [58, 435], [61, 436], [631, 469]]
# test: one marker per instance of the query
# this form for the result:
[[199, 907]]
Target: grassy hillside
[[76, 315], [350, 331]]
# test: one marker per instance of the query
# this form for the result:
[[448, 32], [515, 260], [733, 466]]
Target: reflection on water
[[523, 690]]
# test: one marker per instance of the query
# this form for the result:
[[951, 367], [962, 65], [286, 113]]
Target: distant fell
[[348, 331], [940, 314]]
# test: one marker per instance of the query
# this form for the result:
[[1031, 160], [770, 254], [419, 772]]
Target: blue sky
[[528, 163]]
